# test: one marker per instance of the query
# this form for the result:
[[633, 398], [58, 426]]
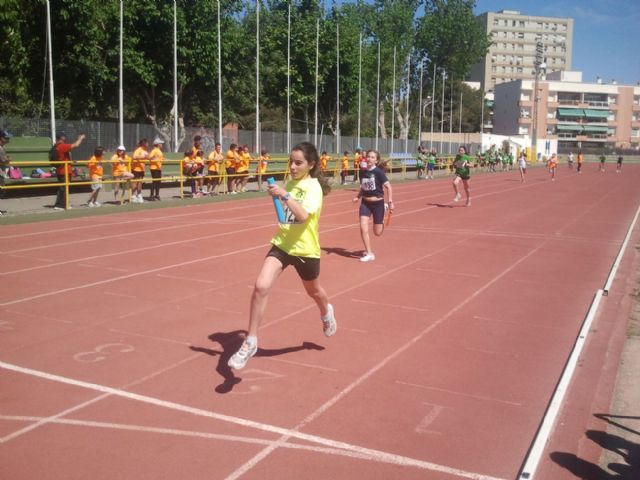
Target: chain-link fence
[[105, 134]]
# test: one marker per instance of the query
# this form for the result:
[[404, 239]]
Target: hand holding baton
[[276, 203]]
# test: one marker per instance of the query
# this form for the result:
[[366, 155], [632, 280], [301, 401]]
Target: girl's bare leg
[[364, 233], [271, 269]]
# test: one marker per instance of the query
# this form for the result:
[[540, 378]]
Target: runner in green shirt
[[462, 174]]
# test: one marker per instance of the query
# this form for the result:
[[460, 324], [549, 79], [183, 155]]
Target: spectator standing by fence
[[156, 157], [96, 172], [64, 170], [120, 164], [4, 157], [140, 156], [214, 164]]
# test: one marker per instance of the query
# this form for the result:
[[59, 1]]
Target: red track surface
[[115, 332]]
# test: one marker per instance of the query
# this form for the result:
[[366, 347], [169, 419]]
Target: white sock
[[327, 316], [252, 340]]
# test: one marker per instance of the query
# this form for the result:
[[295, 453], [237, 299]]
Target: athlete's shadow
[[440, 205], [343, 252], [230, 342], [627, 469]]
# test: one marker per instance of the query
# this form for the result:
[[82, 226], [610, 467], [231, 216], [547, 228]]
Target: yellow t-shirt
[[119, 165], [155, 159], [140, 154], [243, 163], [214, 161], [345, 163], [262, 164], [95, 168], [356, 161], [230, 161], [296, 238], [324, 159]]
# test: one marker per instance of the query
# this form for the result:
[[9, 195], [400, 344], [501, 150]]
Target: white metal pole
[[460, 121], [378, 101], [120, 89], [393, 101], [219, 79], [420, 105], [433, 105], [450, 117], [359, 86], [406, 118], [52, 108], [257, 148], [175, 76], [444, 74], [338, 88], [289, 79], [315, 122]]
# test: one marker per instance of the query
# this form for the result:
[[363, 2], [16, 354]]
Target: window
[[635, 132], [523, 131]]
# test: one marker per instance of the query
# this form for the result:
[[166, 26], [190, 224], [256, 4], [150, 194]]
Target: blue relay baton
[[276, 203]]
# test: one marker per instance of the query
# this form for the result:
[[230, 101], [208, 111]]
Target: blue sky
[[606, 33]]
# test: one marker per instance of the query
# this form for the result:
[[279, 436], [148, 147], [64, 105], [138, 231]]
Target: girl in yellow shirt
[[261, 169], [140, 157], [230, 168], [95, 172], [213, 169], [156, 157], [120, 163], [296, 243], [345, 168], [243, 169]]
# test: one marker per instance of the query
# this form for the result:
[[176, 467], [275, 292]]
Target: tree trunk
[[381, 127]]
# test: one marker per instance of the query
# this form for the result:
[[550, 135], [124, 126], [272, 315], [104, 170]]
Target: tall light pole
[[406, 118], [338, 88], [175, 76], [433, 105], [359, 85], [378, 100], [393, 100], [120, 89], [258, 82], [420, 104], [219, 79], [534, 127], [52, 107], [315, 123], [289, 79]]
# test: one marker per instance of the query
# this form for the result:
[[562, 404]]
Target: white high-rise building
[[513, 51]]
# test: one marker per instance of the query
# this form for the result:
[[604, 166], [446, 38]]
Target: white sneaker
[[91, 204], [239, 359], [97, 204], [457, 197], [368, 257], [329, 325], [140, 199]]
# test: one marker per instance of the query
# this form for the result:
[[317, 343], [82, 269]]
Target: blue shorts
[[375, 208], [431, 167]]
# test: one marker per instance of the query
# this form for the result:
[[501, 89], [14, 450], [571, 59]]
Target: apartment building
[[512, 54], [571, 114]]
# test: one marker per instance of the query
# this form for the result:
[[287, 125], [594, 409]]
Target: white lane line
[[46, 420], [301, 364], [447, 272], [131, 275], [149, 337], [267, 451], [623, 249], [390, 305], [460, 394], [377, 454], [191, 434]]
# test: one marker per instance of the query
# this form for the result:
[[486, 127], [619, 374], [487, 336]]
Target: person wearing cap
[[120, 165], [156, 157], [4, 157], [140, 157], [64, 170]]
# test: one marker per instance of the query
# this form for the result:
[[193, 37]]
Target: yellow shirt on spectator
[[95, 168], [230, 161], [214, 161], [243, 163], [120, 165], [156, 157], [139, 156]]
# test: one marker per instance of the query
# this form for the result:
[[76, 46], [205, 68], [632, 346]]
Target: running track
[[115, 331]]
